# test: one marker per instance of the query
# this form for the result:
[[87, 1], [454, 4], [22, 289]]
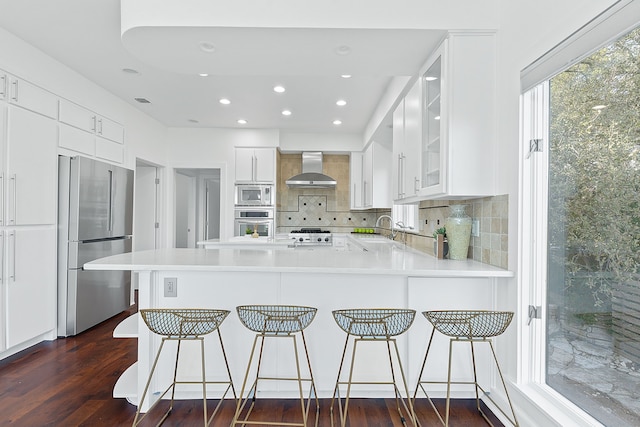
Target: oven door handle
[[255, 221]]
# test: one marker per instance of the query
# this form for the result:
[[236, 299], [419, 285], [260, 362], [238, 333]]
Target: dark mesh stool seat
[[373, 324], [179, 325], [472, 326], [276, 321]]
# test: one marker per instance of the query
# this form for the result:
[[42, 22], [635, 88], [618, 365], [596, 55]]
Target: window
[[405, 217], [582, 130]]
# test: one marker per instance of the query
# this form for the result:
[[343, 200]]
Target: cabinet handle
[[15, 90], [14, 198], [354, 195], [3, 88], [364, 193], [100, 126], [93, 125], [254, 173], [12, 271], [110, 218], [399, 176], [416, 185]]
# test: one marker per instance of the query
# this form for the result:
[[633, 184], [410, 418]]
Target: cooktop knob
[[319, 239], [326, 239], [301, 239]]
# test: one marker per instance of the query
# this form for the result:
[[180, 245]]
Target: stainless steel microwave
[[254, 195]]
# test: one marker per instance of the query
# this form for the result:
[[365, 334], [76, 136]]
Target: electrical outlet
[[170, 287], [475, 227]]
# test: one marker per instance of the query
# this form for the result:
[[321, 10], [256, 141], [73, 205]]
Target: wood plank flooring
[[69, 382]]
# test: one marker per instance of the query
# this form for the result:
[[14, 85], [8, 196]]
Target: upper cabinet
[[458, 143], [407, 133], [255, 165], [86, 132], [355, 171], [444, 128], [376, 177], [371, 177], [27, 95]]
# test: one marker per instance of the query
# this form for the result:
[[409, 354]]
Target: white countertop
[[392, 261]]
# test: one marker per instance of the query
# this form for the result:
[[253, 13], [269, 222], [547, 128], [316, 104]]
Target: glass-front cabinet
[[432, 90], [458, 141]]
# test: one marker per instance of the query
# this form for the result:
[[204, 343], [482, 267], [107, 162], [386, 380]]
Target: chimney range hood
[[311, 176]]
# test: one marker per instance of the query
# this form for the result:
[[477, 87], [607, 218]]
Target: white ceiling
[[244, 67]]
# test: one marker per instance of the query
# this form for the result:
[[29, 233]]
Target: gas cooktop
[[311, 236]]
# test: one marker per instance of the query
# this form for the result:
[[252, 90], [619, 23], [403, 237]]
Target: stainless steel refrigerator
[[95, 220]]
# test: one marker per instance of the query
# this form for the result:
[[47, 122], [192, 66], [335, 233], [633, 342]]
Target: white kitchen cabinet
[[29, 96], [29, 278], [355, 173], [87, 132], [255, 165], [458, 144], [29, 169], [376, 177], [407, 134]]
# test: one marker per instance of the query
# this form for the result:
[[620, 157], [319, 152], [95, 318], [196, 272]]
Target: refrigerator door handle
[[110, 217], [2, 257]]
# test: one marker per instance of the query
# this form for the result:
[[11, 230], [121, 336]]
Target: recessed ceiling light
[[346, 76], [207, 47], [599, 107], [436, 118], [430, 78], [342, 50], [242, 122], [203, 74], [337, 122], [286, 112], [224, 101], [130, 71], [279, 89], [341, 102]]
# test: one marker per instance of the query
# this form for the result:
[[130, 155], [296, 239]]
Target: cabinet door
[[31, 168], [244, 164], [110, 130], [31, 283], [355, 169], [256, 165], [77, 140], [77, 116], [265, 165], [367, 177], [398, 174], [431, 151], [109, 150], [33, 98], [412, 137]]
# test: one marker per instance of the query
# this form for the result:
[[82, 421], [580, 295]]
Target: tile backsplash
[[329, 209]]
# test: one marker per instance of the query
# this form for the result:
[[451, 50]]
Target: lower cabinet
[[29, 283]]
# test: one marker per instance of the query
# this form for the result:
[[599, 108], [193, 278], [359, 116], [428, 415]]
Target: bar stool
[[470, 326], [276, 321], [184, 325], [374, 325]]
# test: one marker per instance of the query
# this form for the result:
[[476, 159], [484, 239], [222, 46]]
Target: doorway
[[197, 203]]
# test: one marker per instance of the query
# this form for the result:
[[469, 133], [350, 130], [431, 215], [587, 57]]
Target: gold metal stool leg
[[461, 326], [343, 410], [179, 325]]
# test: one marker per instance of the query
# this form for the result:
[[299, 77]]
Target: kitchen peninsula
[[383, 275]]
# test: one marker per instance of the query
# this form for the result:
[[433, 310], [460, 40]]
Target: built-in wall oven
[[248, 219]]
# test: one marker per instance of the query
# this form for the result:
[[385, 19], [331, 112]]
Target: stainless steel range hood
[[311, 176]]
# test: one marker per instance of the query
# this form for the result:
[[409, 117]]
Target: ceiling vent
[[143, 100]]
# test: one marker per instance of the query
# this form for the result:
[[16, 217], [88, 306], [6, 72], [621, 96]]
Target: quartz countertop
[[392, 260]]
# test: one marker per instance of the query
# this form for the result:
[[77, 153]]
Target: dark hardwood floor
[[68, 382]]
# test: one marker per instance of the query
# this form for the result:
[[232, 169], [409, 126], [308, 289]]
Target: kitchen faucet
[[393, 233]]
